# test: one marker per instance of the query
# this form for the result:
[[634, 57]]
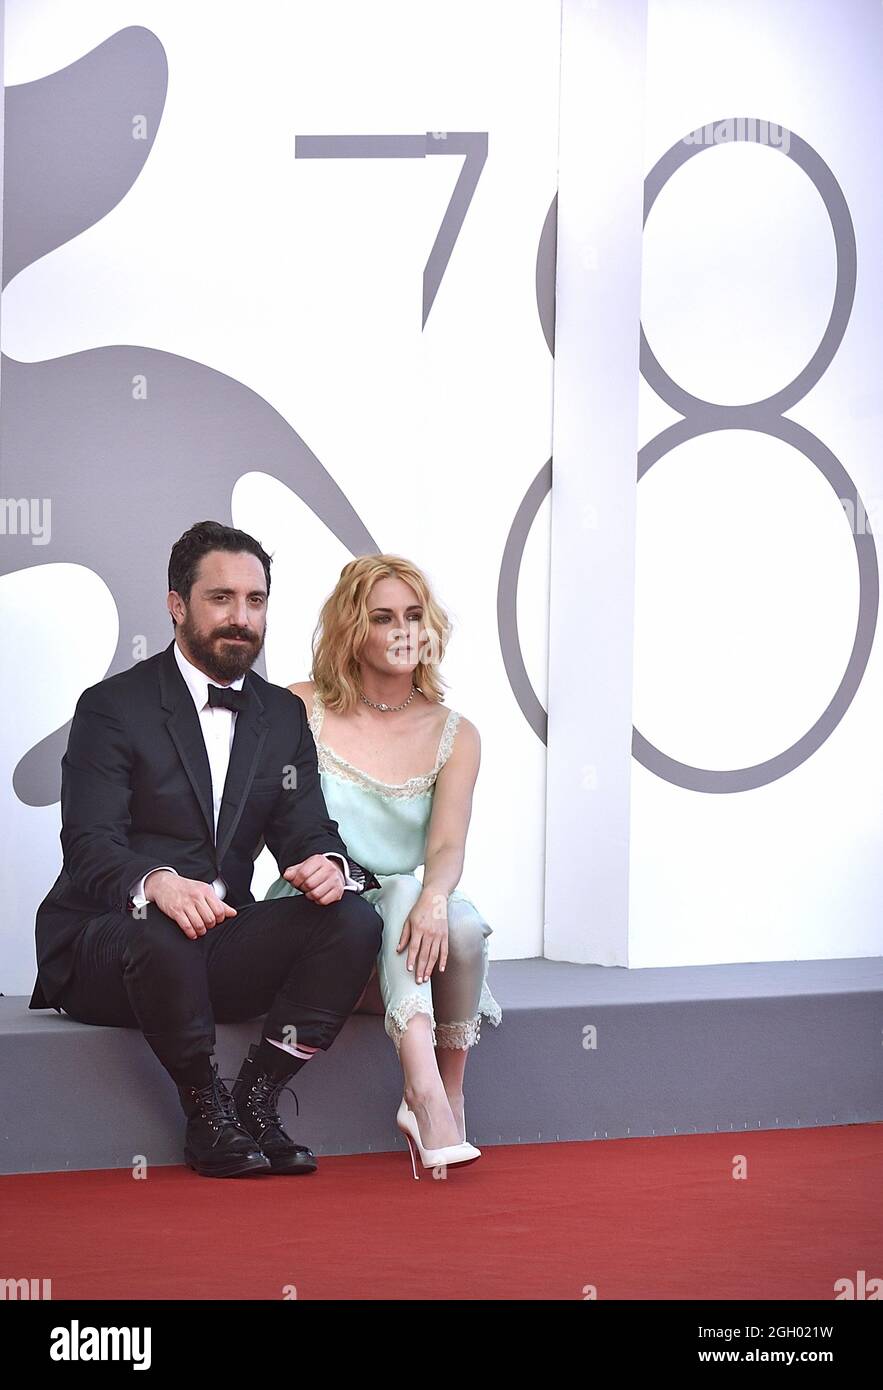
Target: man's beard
[[224, 661]]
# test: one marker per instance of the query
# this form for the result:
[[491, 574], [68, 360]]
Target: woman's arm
[[451, 812]]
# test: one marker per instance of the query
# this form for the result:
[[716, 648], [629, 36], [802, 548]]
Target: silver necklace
[[391, 708]]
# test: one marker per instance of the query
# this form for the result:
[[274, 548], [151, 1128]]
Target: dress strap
[[446, 741], [317, 712]]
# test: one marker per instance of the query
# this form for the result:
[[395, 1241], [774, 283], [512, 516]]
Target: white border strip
[[595, 443]]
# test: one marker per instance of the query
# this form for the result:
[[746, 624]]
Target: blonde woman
[[398, 769]]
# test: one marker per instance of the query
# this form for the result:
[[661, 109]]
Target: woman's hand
[[425, 934]]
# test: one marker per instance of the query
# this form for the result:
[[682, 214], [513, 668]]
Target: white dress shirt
[[218, 728]]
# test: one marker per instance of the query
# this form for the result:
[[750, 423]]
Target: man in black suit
[[176, 772]]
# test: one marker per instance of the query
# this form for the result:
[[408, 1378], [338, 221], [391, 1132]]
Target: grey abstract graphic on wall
[[767, 417], [127, 472], [133, 444]]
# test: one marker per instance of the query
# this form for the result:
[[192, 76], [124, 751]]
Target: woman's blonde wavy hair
[[344, 625]]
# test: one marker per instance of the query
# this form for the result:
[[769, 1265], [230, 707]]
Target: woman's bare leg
[[451, 1063], [456, 996], [424, 1089]]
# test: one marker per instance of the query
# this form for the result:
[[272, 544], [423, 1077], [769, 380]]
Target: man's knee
[[155, 936], [358, 919]]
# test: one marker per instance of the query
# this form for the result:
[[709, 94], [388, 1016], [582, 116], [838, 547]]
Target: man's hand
[[194, 906], [317, 878]]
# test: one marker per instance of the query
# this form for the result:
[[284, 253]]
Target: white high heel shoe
[[445, 1157]]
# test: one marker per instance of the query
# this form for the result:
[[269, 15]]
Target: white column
[[595, 444]]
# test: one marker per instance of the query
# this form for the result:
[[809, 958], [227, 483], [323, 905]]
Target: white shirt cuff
[[136, 893], [348, 882]]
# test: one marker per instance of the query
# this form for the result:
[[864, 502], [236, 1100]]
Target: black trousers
[[301, 963]]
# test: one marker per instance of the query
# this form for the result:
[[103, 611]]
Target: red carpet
[[637, 1218]]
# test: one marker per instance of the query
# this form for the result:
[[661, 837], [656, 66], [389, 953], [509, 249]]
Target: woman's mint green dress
[[384, 826]]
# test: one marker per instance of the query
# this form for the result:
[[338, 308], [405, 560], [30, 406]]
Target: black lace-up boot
[[256, 1092], [216, 1144]]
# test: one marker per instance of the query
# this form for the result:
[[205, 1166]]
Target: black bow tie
[[226, 698]]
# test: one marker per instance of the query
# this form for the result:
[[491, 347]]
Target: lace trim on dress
[[398, 1018], [468, 1033], [488, 1006], [332, 762], [459, 1035]]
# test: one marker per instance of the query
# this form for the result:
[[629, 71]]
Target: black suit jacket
[[136, 792]]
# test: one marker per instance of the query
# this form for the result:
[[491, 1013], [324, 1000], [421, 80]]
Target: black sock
[[277, 1062]]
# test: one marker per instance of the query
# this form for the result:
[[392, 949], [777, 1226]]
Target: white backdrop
[[746, 585], [713, 605], [302, 279]]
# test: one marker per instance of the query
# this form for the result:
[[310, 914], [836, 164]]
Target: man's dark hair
[[198, 541]]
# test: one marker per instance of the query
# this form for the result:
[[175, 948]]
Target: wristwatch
[[363, 877]]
